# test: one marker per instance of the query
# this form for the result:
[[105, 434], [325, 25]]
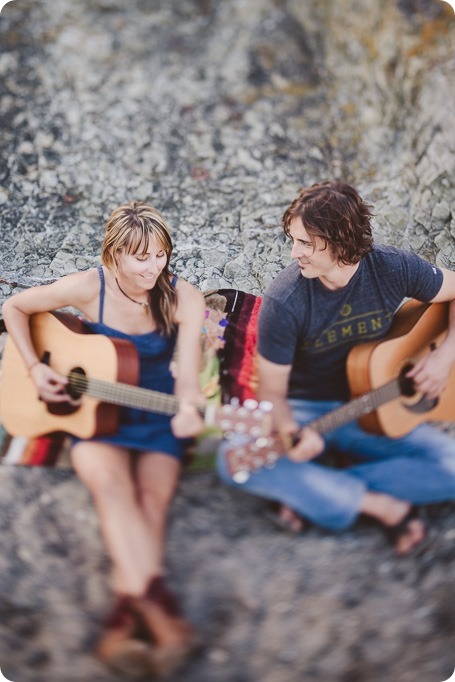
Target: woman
[[131, 475]]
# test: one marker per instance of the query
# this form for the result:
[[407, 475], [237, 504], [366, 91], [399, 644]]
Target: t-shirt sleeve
[[422, 280], [277, 332]]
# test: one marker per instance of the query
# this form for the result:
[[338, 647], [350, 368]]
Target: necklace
[[145, 306]]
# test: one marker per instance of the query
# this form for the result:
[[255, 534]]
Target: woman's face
[[142, 269]]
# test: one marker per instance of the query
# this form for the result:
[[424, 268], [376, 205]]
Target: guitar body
[[417, 329], [66, 344]]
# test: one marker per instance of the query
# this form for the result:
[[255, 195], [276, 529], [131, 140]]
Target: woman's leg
[[106, 471], [156, 476]]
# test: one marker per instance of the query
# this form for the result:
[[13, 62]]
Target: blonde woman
[[131, 475]]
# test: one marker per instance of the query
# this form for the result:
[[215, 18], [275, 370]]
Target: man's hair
[[334, 212]]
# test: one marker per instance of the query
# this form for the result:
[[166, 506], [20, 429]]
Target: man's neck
[[339, 277]]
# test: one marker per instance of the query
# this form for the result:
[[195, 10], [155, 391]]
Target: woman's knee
[[103, 479], [156, 479], [154, 496], [110, 484]]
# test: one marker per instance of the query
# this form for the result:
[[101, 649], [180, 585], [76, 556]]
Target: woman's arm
[[190, 318], [72, 290]]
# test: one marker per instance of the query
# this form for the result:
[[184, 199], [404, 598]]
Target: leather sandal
[[120, 647], [174, 639], [285, 518], [395, 533]]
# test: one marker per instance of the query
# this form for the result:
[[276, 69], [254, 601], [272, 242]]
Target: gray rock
[[217, 113]]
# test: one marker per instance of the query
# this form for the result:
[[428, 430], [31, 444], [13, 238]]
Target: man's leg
[[327, 497], [419, 467]]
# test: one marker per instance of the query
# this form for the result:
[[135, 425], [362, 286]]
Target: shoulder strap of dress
[[174, 280], [102, 289]]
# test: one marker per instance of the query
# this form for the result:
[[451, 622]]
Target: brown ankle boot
[[174, 638], [120, 647]]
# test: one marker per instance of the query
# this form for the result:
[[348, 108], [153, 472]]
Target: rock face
[[217, 112]]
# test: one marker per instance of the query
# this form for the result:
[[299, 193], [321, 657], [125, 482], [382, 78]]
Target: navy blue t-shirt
[[312, 328]]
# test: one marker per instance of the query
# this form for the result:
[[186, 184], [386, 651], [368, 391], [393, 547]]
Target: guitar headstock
[[251, 419], [243, 460]]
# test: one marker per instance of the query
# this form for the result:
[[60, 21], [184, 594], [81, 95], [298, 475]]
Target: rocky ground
[[217, 112]]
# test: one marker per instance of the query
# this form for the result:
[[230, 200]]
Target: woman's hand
[[187, 422], [309, 446], [50, 385]]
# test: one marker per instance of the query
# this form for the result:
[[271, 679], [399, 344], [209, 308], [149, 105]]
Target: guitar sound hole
[[75, 388], [408, 391], [406, 383], [77, 383]]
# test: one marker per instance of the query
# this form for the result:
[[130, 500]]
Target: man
[[342, 290]]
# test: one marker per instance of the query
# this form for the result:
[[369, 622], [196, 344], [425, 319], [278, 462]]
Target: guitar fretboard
[[126, 395], [357, 407]]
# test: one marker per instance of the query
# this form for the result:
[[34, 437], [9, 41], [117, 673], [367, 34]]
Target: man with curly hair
[[341, 290]]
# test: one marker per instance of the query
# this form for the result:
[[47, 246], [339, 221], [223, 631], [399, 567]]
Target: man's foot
[[285, 518], [408, 533], [399, 518]]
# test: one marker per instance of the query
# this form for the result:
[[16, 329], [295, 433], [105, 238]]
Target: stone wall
[[217, 112]]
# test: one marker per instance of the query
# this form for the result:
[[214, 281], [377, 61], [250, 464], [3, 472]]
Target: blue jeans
[[420, 468]]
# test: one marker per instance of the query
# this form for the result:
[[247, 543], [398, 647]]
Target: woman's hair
[[334, 212], [130, 229]]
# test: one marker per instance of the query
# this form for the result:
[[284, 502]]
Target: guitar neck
[[126, 395], [357, 407]]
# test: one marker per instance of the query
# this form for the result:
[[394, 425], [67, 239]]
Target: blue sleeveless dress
[[138, 429]]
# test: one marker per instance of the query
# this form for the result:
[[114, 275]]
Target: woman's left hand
[[187, 422]]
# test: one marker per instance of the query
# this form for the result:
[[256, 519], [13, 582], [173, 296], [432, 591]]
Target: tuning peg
[[235, 402], [250, 404], [241, 476], [255, 431], [271, 460], [266, 405]]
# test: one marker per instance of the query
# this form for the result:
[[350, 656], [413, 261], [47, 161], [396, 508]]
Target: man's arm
[[431, 373], [273, 386]]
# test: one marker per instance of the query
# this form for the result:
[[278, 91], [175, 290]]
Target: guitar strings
[[120, 393], [348, 412]]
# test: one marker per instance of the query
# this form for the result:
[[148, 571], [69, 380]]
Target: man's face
[[313, 256]]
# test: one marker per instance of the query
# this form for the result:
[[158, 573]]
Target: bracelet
[[29, 369]]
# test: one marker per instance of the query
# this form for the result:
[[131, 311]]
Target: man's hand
[[309, 446], [430, 374]]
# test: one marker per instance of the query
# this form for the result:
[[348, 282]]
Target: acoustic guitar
[[383, 397], [102, 375]]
